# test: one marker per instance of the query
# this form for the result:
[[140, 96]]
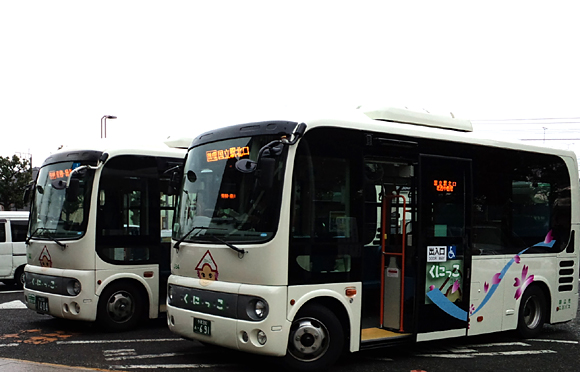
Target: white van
[[13, 229]]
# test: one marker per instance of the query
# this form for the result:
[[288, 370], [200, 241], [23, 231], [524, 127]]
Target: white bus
[[99, 234], [13, 227], [302, 240]]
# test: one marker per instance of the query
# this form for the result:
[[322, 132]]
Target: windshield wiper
[[45, 234], [230, 245], [177, 243]]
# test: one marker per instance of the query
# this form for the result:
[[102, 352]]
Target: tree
[[15, 175]]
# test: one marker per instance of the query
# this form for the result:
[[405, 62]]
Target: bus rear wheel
[[316, 339], [120, 307], [532, 313]]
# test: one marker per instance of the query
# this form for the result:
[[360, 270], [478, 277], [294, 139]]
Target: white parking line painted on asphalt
[[519, 352], [16, 304], [556, 341], [117, 341], [502, 344], [145, 356], [117, 353], [169, 366], [497, 353], [8, 345]]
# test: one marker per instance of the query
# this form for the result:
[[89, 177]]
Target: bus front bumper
[[80, 307], [268, 336]]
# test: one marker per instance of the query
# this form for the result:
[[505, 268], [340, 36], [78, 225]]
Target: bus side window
[[520, 202], [326, 205], [2, 232]]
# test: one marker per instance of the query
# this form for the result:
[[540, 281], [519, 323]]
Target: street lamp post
[[544, 134], [104, 124]]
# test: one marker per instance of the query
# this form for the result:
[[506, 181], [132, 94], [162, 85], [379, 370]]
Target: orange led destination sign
[[228, 196], [231, 153], [54, 175], [444, 185]]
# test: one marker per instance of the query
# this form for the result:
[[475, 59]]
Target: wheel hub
[[531, 312], [309, 339], [120, 307]]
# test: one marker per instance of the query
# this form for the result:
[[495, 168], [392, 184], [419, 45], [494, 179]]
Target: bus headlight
[[170, 294], [256, 309], [252, 308], [73, 287], [260, 308]]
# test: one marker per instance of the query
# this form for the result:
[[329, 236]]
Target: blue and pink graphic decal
[[521, 283]]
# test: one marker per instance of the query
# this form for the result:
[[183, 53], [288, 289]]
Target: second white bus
[[99, 234]]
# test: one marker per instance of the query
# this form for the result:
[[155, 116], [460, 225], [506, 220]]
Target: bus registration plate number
[[42, 304], [202, 326]]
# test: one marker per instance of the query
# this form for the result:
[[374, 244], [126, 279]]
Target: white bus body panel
[[353, 306], [482, 272], [136, 273]]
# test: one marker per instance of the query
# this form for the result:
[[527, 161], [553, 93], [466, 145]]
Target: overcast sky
[[182, 67]]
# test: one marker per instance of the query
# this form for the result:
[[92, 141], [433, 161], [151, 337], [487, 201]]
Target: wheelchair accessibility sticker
[[441, 253]]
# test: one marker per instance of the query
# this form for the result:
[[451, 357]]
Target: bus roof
[[422, 125], [116, 147], [400, 115]]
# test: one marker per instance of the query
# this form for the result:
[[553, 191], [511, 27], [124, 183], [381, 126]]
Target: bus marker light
[[76, 308], [292, 302], [276, 328], [479, 319], [99, 282], [350, 292], [148, 274]]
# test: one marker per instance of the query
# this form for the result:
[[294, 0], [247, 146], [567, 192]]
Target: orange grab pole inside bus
[[386, 200]]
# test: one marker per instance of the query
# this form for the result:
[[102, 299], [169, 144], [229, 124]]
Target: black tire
[[316, 339], [532, 312], [19, 277], [120, 307]]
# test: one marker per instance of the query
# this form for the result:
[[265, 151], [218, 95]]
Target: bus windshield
[[53, 215], [221, 200]]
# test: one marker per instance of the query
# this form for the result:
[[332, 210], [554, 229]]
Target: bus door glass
[[389, 284], [445, 199], [128, 218]]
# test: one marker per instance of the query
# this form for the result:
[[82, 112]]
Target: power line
[[549, 139], [574, 119]]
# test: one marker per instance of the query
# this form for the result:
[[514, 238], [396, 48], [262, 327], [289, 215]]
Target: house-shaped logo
[[45, 259], [207, 268]]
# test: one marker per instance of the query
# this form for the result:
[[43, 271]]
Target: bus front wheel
[[19, 277], [316, 339], [532, 313], [120, 307]]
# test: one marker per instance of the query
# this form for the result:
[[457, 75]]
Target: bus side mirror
[[174, 182], [72, 191], [27, 192], [265, 172]]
